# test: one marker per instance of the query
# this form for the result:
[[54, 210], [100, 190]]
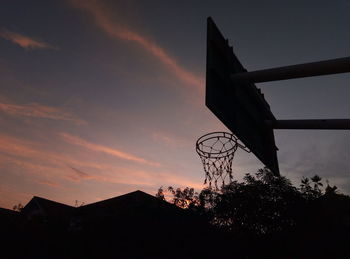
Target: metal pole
[[326, 67], [328, 124]]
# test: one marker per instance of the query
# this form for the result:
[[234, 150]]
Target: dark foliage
[[268, 213], [264, 216], [18, 207], [260, 204]]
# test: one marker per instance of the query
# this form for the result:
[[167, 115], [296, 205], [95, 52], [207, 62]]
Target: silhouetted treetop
[[262, 203]]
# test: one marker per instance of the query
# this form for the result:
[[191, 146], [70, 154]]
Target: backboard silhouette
[[240, 106]]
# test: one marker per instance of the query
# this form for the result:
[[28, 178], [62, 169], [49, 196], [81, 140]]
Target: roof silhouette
[[130, 204], [7, 216], [136, 197], [134, 204], [133, 225], [47, 208]]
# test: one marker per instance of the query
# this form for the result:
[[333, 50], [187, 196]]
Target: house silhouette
[[134, 225], [46, 210]]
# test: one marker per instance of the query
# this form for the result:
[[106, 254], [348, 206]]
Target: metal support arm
[[328, 124], [326, 67]]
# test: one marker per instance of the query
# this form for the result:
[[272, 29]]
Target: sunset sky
[[101, 98]]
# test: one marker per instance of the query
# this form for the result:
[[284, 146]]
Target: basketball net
[[216, 151]]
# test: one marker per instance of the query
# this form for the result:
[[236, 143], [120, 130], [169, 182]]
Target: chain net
[[216, 151]]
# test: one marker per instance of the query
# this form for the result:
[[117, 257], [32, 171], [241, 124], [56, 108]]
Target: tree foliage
[[18, 207], [262, 203], [185, 199], [311, 189]]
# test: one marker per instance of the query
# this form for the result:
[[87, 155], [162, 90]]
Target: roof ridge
[[41, 198], [121, 196]]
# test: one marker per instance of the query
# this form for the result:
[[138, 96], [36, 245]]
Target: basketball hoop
[[216, 151]]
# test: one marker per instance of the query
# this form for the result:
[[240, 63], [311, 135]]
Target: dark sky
[[99, 98]]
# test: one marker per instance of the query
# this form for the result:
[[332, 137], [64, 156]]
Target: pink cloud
[[103, 19], [10, 196], [25, 41], [127, 176], [107, 150], [170, 139], [176, 180], [32, 161], [32, 157], [14, 146], [79, 175], [36, 110], [48, 183]]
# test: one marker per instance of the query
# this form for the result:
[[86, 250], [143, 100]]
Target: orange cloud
[[48, 183], [10, 195], [25, 41], [127, 176], [170, 139], [42, 165], [29, 155], [79, 175], [107, 150], [174, 179], [36, 110], [103, 19]]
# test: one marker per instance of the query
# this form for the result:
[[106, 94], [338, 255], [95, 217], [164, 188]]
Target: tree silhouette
[[305, 187], [186, 198], [309, 192], [261, 204], [160, 193], [331, 190], [267, 212], [18, 207], [317, 184]]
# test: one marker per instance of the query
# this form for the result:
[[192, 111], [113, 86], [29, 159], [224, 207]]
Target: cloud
[[36, 110], [174, 179], [17, 155], [31, 156], [107, 150], [10, 195], [327, 158], [48, 183], [25, 41], [79, 175], [28, 161], [169, 139], [103, 19]]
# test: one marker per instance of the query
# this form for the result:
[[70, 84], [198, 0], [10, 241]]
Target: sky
[[101, 98]]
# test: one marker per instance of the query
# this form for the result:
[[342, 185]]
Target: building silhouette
[[134, 225]]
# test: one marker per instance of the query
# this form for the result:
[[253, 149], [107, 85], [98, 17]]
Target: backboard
[[240, 106]]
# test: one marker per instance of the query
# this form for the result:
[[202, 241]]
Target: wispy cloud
[[10, 195], [32, 162], [107, 150], [79, 175], [169, 139], [25, 41], [104, 20], [46, 165], [36, 110], [34, 158], [48, 183]]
